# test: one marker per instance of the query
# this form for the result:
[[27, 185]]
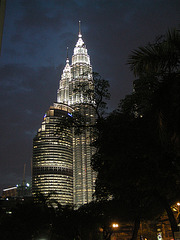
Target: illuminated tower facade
[[76, 90], [52, 164], [61, 165]]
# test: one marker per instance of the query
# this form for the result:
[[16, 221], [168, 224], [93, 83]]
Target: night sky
[[36, 35]]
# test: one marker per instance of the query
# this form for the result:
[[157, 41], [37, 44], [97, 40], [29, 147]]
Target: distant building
[[69, 175], [2, 16], [18, 191], [9, 192]]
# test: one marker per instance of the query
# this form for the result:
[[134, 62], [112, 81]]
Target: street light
[[178, 204], [115, 225]]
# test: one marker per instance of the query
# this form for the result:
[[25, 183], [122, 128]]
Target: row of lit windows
[[55, 136], [61, 182], [45, 144], [62, 192], [60, 198], [53, 163], [55, 154], [53, 176], [51, 153], [56, 188], [67, 192], [53, 147], [56, 148], [53, 169], [56, 129], [52, 139], [62, 187], [53, 166], [52, 160], [50, 168], [61, 143], [49, 180]]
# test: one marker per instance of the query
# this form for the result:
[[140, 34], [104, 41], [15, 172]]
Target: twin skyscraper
[[61, 164]]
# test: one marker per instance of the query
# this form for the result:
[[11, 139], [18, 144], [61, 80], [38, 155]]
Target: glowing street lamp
[[115, 225], [178, 205]]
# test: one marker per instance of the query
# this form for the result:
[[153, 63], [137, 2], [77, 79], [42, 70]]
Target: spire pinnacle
[[79, 35], [67, 60], [67, 52]]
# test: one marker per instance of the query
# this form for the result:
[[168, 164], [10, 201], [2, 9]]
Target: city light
[[70, 114], [115, 225], [7, 189]]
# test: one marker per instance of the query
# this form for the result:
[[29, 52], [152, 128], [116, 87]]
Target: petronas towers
[[61, 165]]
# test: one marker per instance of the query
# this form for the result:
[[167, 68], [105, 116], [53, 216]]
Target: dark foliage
[[138, 147]]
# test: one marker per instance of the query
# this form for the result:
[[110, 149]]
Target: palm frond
[[163, 56]]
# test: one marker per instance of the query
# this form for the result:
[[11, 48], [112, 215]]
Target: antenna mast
[[80, 29], [24, 172]]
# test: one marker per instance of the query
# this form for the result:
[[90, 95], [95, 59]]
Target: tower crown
[[80, 71], [80, 42], [67, 68], [80, 51]]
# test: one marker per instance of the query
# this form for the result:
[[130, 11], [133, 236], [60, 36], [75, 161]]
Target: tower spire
[[67, 59], [79, 35]]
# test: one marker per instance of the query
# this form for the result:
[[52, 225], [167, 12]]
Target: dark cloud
[[26, 94], [45, 15], [21, 85]]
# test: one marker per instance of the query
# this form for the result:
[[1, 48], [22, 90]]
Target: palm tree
[[157, 67], [161, 57]]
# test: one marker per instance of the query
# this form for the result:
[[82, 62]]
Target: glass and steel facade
[[83, 175], [52, 164], [76, 88], [61, 163]]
